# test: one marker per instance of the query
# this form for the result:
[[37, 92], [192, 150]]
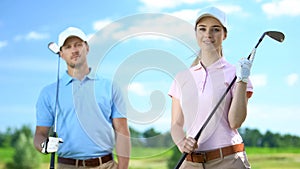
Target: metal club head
[[276, 35], [53, 47]]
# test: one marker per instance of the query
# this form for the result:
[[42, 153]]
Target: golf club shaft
[[183, 156], [52, 160]]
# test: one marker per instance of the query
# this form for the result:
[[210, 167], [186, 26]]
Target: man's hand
[[243, 68], [51, 145]]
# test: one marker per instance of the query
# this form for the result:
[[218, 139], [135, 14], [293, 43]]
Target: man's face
[[74, 52]]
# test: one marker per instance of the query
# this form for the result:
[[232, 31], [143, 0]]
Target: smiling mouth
[[208, 42]]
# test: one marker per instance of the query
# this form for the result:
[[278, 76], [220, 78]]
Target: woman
[[195, 92]]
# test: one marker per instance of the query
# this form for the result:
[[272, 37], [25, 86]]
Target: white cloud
[[137, 88], [292, 79], [33, 35], [234, 10], [282, 7], [230, 9], [3, 44], [36, 36], [188, 15], [98, 25], [157, 5], [171, 27], [136, 26], [147, 88], [259, 80]]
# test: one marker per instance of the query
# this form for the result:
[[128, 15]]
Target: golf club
[[55, 49], [276, 35]]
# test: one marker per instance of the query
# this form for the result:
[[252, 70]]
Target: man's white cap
[[69, 32], [213, 12]]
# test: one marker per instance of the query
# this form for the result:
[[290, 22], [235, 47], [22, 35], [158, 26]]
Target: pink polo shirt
[[199, 90]]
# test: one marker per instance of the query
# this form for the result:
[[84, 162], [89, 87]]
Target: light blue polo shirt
[[84, 120]]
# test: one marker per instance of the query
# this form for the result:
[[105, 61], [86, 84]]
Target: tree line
[[254, 138], [153, 138], [22, 142], [251, 137]]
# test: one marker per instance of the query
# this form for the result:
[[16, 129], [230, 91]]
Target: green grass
[[152, 158], [149, 158], [144, 152], [274, 158], [6, 154], [275, 161], [264, 150]]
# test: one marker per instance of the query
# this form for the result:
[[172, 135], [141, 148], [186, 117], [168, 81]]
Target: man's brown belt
[[202, 157], [86, 163]]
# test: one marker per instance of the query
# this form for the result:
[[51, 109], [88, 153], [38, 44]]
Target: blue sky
[[138, 32]]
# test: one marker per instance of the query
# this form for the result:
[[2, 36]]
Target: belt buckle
[[204, 155]]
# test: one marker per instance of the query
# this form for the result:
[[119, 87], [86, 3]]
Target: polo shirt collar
[[217, 65], [67, 79]]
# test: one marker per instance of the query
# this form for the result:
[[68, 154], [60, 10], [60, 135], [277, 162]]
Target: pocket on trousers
[[242, 160]]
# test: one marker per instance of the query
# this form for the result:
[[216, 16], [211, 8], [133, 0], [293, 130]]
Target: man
[[91, 113]]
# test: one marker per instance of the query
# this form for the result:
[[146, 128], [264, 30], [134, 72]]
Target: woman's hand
[[188, 145]]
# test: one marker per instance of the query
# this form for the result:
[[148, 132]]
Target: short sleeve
[[174, 90], [44, 111], [118, 103], [249, 89]]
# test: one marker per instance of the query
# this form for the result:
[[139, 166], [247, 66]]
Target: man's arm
[[123, 145], [41, 134]]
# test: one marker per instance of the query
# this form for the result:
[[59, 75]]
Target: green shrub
[[25, 157]]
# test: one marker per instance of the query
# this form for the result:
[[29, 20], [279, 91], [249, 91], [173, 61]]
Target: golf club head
[[276, 35], [53, 47]]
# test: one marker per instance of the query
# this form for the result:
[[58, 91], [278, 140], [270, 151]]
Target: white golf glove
[[51, 145], [243, 68]]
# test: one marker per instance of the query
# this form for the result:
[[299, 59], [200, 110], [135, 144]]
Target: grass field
[[276, 158], [150, 158]]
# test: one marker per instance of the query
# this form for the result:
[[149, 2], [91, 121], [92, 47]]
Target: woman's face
[[210, 34]]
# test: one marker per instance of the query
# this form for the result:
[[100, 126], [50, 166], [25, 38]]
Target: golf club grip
[[183, 156], [52, 161], [249, 56]]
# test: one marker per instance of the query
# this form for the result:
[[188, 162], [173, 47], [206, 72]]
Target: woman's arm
[[238, 109], [184, 144]]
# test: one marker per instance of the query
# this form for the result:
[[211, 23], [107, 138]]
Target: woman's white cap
[[69, 32], [213, 12]]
